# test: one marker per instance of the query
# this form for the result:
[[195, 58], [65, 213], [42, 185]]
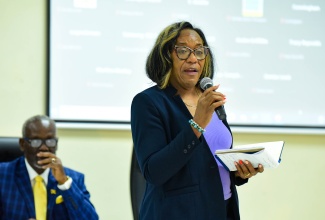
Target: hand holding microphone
[[206, 83]]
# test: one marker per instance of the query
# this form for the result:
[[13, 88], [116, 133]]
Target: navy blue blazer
[[17, 200], [183, 181]]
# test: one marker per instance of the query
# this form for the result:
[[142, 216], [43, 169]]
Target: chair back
[[9, 149], [138, 186]]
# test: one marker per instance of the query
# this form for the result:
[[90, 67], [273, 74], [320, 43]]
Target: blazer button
[[185, 151], [189, 146], [193, 142]]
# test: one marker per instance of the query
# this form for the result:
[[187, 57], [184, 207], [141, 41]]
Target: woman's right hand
[[207, 103]]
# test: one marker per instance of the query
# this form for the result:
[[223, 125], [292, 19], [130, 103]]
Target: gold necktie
[[40, 198]]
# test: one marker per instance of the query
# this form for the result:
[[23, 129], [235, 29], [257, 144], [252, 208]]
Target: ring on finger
[[53, 160], [247, 175]]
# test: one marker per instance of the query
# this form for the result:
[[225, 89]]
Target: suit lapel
[[24, 186], [52, 193]]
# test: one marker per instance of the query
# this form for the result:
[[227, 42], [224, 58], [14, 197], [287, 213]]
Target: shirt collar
[[32, 173]]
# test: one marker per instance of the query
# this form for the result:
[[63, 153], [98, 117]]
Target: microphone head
[[205, 83]]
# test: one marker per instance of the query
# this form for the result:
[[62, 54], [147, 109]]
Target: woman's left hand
[[246, 170]]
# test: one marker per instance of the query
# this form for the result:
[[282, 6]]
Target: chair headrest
[[9, 149]]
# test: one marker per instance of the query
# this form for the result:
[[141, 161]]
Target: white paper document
[[268, 154]]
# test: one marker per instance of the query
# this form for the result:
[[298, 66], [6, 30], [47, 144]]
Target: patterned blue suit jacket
[[17, 201]]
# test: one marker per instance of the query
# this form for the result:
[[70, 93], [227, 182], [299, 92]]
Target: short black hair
[[34, 119]]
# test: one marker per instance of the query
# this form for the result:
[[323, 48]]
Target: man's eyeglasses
[[184, 52], [51, 142]]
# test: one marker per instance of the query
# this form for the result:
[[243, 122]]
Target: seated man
[[37, 185]]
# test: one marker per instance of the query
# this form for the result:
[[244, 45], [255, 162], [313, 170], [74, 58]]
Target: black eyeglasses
[[51, 142], [184, 52]]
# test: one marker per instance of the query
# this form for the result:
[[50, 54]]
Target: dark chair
[[9, 148], [138, 186]]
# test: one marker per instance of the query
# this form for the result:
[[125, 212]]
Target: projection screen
[[270, 59]]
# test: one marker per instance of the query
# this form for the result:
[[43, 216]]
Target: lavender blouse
[[218, 137]]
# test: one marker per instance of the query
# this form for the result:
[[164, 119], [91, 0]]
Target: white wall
[[292, 191]]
